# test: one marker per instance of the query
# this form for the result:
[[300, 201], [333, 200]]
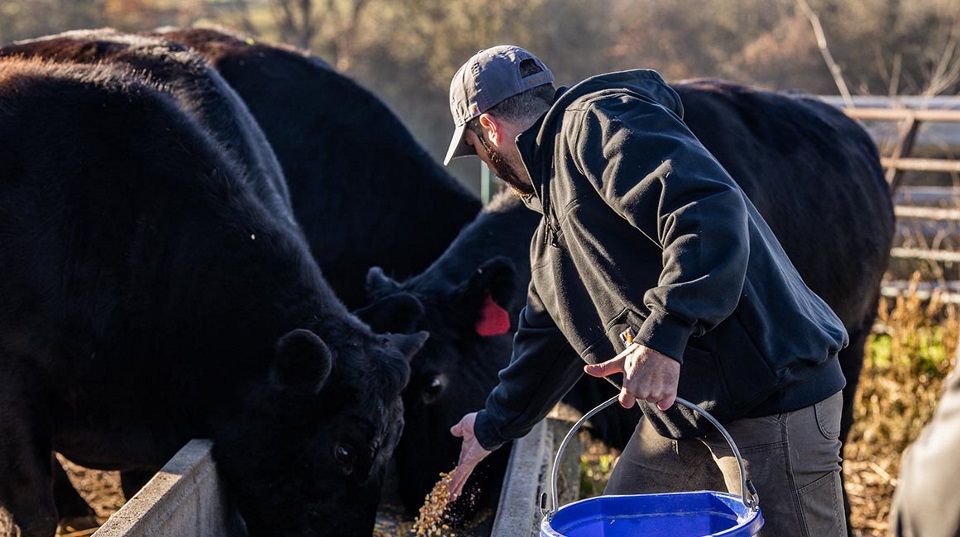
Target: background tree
[[406, 50]]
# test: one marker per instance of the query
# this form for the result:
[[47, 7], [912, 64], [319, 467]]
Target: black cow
[[467, 300], [154, 292], [197, 87], [364, 191], [812, 172]]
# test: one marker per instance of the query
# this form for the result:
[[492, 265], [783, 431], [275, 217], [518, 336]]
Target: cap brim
[[458, 148]]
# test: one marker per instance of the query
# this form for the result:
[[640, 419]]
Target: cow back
[[815, 176], [364, 191], [197, 88]]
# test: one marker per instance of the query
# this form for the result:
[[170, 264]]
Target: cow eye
[[433, 388], [346, 455]]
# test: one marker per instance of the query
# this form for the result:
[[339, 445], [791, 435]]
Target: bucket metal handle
[[748, 494]]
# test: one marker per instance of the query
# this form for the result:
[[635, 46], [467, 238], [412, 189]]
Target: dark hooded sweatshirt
[[642, 228]]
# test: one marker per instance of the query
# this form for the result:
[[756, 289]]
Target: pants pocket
[[828, 413], [822, 506]]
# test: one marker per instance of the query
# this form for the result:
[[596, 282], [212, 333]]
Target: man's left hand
[[471, 453]]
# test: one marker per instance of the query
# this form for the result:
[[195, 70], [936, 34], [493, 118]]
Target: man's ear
[[492, 128]]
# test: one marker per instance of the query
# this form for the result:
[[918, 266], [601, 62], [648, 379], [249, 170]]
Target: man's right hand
[[471, 453], [647, 374]]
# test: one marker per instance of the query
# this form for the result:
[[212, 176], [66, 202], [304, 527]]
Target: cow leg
[[26, 479], [26, 490], [851, 362]]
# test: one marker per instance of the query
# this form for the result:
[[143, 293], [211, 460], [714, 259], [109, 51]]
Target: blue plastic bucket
[[678, 514]]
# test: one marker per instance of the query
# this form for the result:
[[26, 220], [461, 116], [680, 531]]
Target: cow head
[[307, 452], [469, 322]]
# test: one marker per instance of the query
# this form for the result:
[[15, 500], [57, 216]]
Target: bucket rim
[[749, 521]]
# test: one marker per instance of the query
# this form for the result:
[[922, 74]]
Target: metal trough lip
[[528, 470], [528, 476]]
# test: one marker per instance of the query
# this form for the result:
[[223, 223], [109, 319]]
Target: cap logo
[[537, 79], [474, 109]]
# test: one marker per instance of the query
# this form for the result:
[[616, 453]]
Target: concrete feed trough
[[186, 498]]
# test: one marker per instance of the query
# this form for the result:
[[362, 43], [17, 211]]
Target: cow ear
[[398, 313], [379, 284], [302, 362], [489, 293], [498, 276], [408, 344]]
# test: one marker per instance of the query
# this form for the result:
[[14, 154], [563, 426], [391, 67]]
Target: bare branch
[[895, 76], [241, 16], [947, 71], [307, 29], [284, 16], [825, 52]]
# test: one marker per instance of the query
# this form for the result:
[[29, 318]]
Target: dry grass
[[907, 358], [596, 462], [906, 361]]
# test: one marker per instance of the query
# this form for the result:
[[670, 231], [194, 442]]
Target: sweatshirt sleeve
[[542, 370], [649, 168]]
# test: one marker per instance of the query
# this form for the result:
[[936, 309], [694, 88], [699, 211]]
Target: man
[[649, 252]]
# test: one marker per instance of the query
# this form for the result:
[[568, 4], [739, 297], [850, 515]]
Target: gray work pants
[[793, 460]]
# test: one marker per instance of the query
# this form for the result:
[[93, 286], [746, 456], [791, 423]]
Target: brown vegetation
[[900, 386]]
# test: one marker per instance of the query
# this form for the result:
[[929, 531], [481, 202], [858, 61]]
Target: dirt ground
[[101, 490]]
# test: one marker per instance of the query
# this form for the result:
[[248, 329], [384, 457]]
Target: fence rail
[[947, 292], [932, 213], [910, 120], [921, 164], [945, 256], [899, 114], [899, 160]]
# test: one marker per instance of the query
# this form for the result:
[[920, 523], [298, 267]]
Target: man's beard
[[508, 171]]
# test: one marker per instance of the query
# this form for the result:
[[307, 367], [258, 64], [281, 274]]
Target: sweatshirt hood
[[536, 143], [645, 83]]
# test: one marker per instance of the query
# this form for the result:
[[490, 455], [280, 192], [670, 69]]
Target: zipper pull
[[552, 236]]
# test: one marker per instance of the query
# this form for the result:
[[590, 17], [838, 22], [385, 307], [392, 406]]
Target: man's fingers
[[471, 453], [456, 484], [614, 365], [663, 400], [666, 402], [459, 479]]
